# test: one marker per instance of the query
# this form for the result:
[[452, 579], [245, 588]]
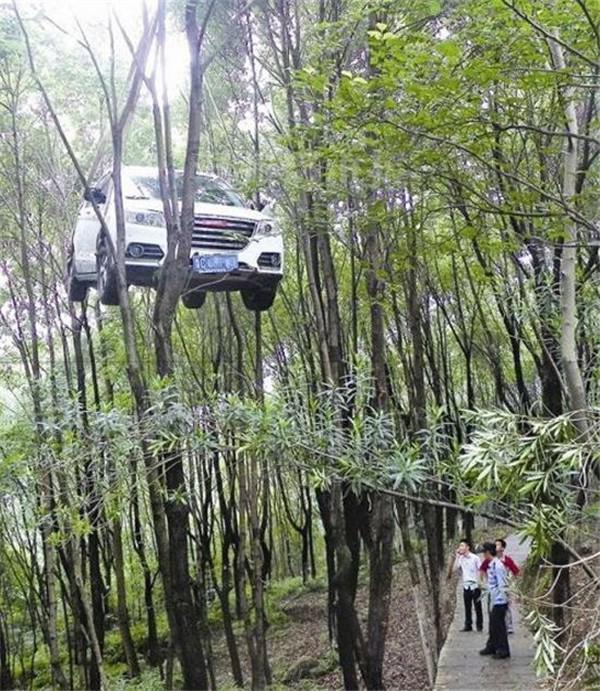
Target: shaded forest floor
[[299, 650], [300, 654]]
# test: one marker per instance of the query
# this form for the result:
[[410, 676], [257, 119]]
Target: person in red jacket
[[509, 562], [512, 566]]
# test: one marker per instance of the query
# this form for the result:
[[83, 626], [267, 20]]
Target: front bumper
[[260, 265], [242, 277]]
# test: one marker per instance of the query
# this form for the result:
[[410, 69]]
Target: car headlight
[[266, 227], [146, 218]]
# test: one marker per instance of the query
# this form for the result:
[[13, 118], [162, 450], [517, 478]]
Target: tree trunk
[[568, 266], [420, 604], [133, 667]]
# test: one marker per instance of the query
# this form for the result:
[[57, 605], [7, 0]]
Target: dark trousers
[[498, 640], [473, 597]]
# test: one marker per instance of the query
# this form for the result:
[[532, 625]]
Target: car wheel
[[107, 280], [193, 299], [258, 299], [77, 290]]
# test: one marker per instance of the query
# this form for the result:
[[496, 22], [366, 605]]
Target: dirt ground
[[302, 658]]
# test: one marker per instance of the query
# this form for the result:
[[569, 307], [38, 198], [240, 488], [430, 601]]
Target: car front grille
[[221, 233]]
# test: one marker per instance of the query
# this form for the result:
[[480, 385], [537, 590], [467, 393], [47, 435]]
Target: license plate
[[214, 263]]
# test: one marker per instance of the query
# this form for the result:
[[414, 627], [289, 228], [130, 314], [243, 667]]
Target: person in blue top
[[497, 583]]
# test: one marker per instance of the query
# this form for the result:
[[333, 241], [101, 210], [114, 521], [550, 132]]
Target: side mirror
[[256, 206], [94, 194]]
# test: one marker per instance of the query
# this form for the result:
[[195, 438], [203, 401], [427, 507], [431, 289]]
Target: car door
[[86, 234]]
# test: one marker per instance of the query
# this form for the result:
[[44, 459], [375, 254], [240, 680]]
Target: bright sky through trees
[[95, 15]]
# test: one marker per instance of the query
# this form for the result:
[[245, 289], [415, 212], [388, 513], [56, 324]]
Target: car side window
[[103, 183]]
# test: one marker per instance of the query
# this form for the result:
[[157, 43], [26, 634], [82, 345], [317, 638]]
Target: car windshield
[[208, 190]]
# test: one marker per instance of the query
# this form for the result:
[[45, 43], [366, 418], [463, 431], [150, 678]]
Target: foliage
[[413, 155]]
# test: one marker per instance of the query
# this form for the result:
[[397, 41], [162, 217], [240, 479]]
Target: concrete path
[[462, 668]]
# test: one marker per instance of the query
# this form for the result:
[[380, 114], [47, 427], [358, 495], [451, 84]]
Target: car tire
[[107, 279], [77, 290], [258, 299], [193, 299]]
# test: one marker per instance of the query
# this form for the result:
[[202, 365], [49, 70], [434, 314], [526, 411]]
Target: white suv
[[233, 247]]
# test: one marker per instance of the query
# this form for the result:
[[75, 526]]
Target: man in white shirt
[[469, 564]]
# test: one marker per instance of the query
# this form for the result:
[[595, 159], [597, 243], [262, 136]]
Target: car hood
[[200, 209]]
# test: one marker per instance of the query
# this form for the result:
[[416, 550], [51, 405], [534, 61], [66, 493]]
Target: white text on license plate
[[214, 263]]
